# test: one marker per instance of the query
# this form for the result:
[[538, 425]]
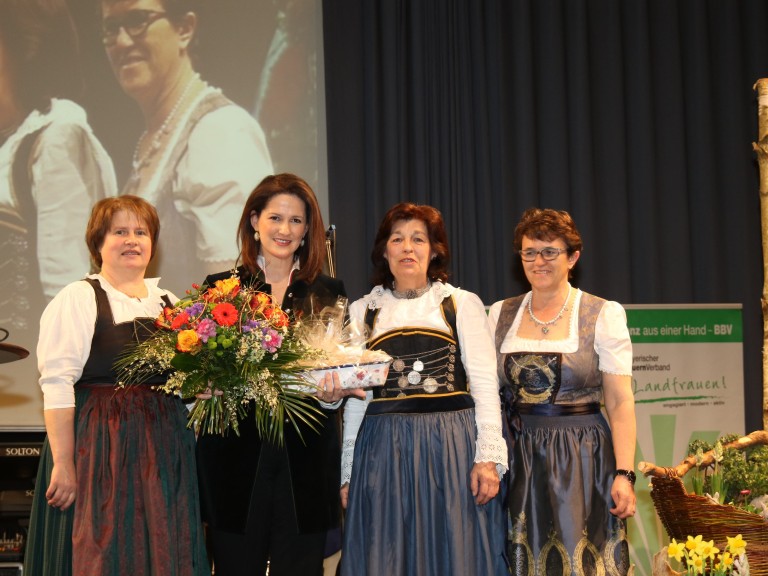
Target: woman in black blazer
[[264, 502]]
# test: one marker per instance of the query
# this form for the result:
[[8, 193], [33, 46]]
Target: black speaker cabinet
[[19, 457]]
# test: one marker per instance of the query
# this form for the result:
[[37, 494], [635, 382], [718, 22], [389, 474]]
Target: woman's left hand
[[329, 389], [623, 494], [484, 481]]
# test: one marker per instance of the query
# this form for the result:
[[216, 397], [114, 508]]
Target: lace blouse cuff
[[347, 454], [491, 446]]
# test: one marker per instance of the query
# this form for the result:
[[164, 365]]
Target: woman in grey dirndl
[[561, 352], [423, 454]]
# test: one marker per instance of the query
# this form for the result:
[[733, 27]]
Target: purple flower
[[206, 329], [250, 325], [196, 309]]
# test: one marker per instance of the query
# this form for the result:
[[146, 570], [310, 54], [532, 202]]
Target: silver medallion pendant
[[545, 329], [430, 385], [414, 377], [418, 365]]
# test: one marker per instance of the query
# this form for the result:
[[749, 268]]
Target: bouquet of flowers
[[701, 557], [235, 346]]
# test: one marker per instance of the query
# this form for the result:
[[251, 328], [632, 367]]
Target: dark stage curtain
[[635, 116]]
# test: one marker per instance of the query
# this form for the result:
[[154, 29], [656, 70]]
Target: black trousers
[[272, 534]]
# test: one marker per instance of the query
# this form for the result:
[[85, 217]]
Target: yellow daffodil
[[736, 545], [693, 544], [709, 550], [698, 556], [726, 561], [696, 562], [676, 550]]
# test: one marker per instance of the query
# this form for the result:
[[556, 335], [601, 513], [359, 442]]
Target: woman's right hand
[[61, 491], [344, 491], [208, 394]]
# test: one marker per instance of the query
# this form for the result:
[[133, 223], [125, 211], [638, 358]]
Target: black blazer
[[227, 465]]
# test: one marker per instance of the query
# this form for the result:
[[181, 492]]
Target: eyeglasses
[[548, 253], [134, 22]]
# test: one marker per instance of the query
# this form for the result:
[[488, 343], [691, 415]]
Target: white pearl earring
[[302, 242], [256, 236]]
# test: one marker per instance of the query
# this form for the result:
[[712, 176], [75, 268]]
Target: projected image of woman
[[200, 155], [52, 167]]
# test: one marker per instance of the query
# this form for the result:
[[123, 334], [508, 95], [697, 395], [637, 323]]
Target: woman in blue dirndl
[[561, 352], [423, 454]]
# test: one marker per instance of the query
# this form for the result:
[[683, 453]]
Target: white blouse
[[70, 171], [612, 341], [66, 332], [477, 354], [224, 157]]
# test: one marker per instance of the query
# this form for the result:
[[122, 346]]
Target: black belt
[[421, 404], [558, 409]]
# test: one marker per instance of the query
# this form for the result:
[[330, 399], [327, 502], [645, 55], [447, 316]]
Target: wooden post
[[761, 148]]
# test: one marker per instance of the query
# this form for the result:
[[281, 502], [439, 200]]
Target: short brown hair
[[311, 255], [103, 213], [438, 242], [548, 224]]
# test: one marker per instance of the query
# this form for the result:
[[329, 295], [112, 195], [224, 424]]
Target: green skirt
[[137, 507]]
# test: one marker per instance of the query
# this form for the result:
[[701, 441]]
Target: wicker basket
[[684, 514]]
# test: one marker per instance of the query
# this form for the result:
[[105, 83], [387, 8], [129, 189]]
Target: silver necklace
[[545, 325], [137, 162], [411, 294]]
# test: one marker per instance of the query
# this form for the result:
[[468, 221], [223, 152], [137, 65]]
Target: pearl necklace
[[139, 163], [412, 293], [545, 325]]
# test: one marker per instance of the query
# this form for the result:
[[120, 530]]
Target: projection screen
[[265, 56]]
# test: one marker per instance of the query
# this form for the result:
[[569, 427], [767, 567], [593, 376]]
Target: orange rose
[[187, 341]]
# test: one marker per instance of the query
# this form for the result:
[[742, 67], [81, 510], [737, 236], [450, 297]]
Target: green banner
[[688, 383], [664, 325]]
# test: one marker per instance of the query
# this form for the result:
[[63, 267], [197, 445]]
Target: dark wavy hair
[[548, 224], [438, 241], [103, 213], [311, 255], [41, 46]]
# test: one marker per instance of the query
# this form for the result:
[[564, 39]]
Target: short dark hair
[[41, 44], [311, 255], [175, 9], [103, 213], [438, 242], [548, 224]]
